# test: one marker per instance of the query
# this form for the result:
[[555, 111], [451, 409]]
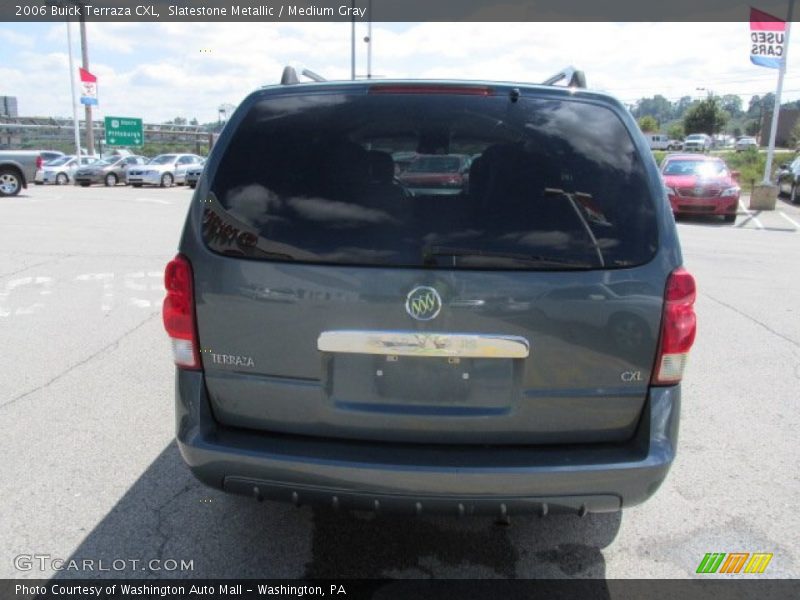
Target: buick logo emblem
[[423, 303]]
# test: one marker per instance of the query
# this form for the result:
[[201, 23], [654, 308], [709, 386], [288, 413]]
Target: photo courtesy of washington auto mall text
[[399, 299]]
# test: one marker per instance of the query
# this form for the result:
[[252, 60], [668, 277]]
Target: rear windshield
[[539, 183]]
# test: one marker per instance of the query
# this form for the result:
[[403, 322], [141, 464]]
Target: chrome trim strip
[[416, 343]]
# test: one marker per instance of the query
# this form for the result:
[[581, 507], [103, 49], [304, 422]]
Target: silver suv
[[512, 341]]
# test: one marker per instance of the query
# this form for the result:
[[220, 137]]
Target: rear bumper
[[420, 478]]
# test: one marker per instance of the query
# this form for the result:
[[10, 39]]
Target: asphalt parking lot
[[91, 471]]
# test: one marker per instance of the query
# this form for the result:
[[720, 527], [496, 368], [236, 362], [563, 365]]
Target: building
[[8, 106], [787, 119]]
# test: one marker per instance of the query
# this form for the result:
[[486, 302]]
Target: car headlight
[[731, 191]]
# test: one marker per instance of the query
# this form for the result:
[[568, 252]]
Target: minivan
[[513, 346]]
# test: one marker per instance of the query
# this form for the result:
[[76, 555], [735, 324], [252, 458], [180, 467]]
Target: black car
[[789, 178]]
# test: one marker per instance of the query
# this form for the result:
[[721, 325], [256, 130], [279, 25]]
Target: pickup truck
[[17, 167]]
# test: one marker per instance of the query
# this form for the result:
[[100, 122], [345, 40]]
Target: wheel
[[10, 182], [793, 194], [192, 185], [62, 179], [730, 218], [167, 180], [111, 180]]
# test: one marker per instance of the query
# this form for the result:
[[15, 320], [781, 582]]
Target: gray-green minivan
[[509, 341]]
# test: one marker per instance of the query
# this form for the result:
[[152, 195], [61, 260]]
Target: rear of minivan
[[511, 342]]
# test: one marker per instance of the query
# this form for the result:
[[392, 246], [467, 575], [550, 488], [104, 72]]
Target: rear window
[[698, 168], [432, 181]]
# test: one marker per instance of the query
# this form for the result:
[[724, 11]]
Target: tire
[[192, 185], [110, 180], [730, 218], [167, 180], [793, 194], [10, 182], [62, 179]]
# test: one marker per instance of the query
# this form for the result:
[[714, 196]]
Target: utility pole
[[85, 60], [75, 125], [353, 41], [369, 40]]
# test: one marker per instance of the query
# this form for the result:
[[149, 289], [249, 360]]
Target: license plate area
[[368, 381]]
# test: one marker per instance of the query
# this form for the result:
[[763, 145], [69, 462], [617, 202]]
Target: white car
[[61, 171], [745, 143], [697, 142], [164, 170]]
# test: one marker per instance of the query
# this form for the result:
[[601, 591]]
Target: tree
[[648, 124], [752, 127], [794, 137], [733, 104], [658, 107], [706, 116], [754, 107], [194, 121], [681, 106], [675, 131]]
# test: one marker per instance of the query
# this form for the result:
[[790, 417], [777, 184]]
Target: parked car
[[436, 174], [697, 142], [746, 143], [193, 175], [675, 145], [367, 349], [164, 170], [17, 168], [701, 185], [61, 171], [109, 171], [789, 179], [657, 141]]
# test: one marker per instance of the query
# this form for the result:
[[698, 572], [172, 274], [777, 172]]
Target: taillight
[[178, 313], [678, 328], [39, 162]]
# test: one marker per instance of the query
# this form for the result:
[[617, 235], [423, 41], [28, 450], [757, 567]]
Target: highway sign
[[124, 131]]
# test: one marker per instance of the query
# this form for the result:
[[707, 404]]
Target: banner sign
[[88, 87], [767, 37]]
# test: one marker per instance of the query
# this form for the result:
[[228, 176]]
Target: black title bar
[[386, 10]]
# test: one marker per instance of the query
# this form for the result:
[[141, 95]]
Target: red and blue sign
[[767, 39]]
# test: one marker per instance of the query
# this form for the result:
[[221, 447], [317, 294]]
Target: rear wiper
[[589, 233], [428, 254]]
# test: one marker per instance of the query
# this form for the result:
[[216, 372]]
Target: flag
[[88, 87], [767, 37]]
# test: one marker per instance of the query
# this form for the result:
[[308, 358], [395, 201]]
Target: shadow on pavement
[[168, 515]]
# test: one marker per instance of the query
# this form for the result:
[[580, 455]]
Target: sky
[[158, 71]]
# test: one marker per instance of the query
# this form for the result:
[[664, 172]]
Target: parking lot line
[[751, 216], [790, 219]]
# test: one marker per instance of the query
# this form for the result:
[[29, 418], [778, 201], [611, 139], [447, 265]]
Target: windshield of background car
[[311, 178], [163, 159], [435, 164], [57, 162], [696, 168]]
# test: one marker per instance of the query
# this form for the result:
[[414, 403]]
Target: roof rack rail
[[574, 77], [289, 76]]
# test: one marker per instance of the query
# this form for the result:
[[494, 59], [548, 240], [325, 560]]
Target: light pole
[[85, 61]]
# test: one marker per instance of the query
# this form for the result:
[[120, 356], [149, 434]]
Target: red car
[[701, 185]]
